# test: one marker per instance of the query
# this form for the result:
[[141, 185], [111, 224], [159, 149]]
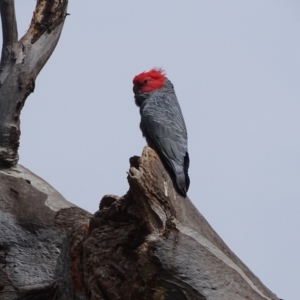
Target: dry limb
[[21, 62]]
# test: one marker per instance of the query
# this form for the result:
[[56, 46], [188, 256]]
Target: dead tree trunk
[[154, 244], [149, 244], [39, 236], [21, 62]]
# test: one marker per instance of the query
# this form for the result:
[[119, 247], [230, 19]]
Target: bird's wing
[[162, 122]]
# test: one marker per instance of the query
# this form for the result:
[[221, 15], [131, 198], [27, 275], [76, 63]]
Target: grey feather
[[163, 126]]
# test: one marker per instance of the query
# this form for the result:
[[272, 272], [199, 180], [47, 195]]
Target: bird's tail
[[182, 177], [181, 183]]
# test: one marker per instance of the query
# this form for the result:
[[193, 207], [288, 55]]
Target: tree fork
[[21, 62]]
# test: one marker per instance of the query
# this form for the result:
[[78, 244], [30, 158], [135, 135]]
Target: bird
[[162, 124]]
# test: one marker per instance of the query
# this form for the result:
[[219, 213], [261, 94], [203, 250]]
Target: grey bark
[[149, 244], [39, 234], [154, 244], [21, 62]]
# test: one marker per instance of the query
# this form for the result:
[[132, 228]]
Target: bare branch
[[9, 30], [47, 16], [18, 72]]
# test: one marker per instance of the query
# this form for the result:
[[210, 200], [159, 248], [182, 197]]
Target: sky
[[235, 66]]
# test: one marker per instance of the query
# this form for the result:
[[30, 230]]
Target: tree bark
[[149, 244], [154, 244], [21, 62], [39, 232]]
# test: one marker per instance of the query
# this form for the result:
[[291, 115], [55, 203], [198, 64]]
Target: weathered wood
[[149, 244], [9, 31], [21, 62], [154, 244], [40, 234]]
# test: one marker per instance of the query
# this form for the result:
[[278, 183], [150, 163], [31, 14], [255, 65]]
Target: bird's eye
[[145, 81]]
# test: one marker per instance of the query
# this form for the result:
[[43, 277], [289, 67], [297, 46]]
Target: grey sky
[[236, 70]]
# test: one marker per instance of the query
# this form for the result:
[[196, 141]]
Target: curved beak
[[135, 89]]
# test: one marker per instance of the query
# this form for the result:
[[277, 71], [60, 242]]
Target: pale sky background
[[236, 70]]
